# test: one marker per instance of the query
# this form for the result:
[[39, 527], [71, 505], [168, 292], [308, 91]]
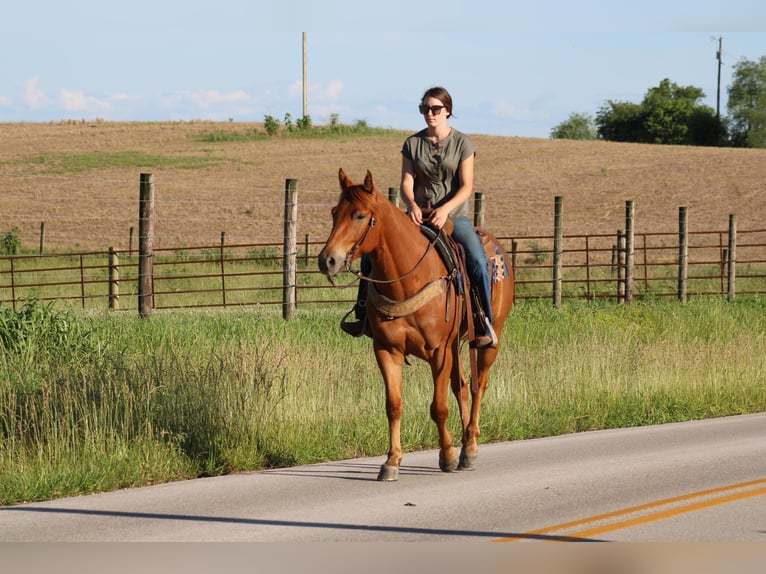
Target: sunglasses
[[435, 110]]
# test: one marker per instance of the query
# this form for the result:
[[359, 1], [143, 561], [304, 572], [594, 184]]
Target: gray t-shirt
[[437, 176]]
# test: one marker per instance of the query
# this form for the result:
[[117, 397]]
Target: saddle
[[453, 256]]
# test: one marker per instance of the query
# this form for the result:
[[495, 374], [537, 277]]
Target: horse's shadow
[[349, 471]]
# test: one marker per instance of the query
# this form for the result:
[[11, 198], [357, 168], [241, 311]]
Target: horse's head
[[352, 219]]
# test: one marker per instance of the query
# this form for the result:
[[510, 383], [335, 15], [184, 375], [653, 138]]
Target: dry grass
[[237, 187]]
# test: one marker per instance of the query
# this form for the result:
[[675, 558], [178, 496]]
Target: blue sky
[[514, 68]]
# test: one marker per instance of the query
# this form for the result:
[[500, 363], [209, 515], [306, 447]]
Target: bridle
[[362, 277]]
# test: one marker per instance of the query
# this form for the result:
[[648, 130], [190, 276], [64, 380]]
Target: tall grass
[[97, 401]]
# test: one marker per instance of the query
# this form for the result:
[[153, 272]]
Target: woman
[[437, 173]]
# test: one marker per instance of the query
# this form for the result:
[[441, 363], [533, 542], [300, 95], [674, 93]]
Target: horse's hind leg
[[391, 368]]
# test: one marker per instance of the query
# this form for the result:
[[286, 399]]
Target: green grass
[[334, 129], [93, 401], [76, 163]]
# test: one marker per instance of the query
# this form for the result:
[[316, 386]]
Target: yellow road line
[[653, 517]]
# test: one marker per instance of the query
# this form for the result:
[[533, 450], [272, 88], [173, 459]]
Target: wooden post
[[13, 283], [307, 249], [42, 237], [289, 249], [393, 195], [82, 281], [732, 261], [146, 245], [557, 250], [130, 245], [683, 253], [222, 263], [114, 280], [514, 255], [629, 251], [587, 269], [620, 266], [478, 209]]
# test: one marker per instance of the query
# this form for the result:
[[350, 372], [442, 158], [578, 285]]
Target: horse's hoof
[[449, 466], [388, 474], [468, 461]]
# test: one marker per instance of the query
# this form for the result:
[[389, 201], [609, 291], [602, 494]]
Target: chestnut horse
[[409, 275]]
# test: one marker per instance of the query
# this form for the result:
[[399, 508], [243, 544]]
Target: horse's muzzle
[[331, 264]]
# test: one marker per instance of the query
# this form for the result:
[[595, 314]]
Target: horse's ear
[[368, 185], [344, 180]]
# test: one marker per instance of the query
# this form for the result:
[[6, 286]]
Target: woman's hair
[[440, 94]]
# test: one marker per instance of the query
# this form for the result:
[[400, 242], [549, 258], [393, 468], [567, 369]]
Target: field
[[81, 179]]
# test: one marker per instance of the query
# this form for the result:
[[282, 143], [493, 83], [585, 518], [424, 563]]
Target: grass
[[92, 401], [334, 129], [81, 162]]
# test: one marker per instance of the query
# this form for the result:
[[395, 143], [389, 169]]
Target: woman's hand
[[416, 215], [439, 217]]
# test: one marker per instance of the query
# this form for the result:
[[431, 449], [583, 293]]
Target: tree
[[620, 122], [747, 103], [668, 114], [669, 109], [576, 127]]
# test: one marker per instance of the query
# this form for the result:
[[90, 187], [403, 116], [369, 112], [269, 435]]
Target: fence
[[622, 266]]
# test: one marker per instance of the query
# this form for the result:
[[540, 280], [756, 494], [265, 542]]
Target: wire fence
[[253, 274], [188, 274]]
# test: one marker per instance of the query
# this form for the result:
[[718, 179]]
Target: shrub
[[10, 243]]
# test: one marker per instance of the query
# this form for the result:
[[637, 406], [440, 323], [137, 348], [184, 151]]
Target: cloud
[[5, 102], [208, 98], [121, 97], [328, 93], [79, 102], [34, 97], [509, 111], [331, 92]]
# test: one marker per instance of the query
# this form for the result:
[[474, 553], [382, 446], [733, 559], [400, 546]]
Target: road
[[702, 481]]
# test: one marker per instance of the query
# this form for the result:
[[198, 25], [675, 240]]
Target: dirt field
[[82, 180]]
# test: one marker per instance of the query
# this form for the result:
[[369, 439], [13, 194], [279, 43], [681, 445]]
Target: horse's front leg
[[390, 365], [442, 371]]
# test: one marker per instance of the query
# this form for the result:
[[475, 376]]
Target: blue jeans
[[475, 261]]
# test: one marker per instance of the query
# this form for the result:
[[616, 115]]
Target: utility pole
[[718, 56], [305, 82]]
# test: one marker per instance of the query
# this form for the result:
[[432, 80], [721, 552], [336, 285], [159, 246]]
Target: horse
[[417, 310]]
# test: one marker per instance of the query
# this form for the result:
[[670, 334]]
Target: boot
[[356, 328], [488, 339]]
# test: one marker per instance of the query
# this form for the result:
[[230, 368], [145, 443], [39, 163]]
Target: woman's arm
[[465, 173], [407, 191]]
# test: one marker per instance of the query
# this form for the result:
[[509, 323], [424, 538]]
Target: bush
[[11, 242], [271, 124]]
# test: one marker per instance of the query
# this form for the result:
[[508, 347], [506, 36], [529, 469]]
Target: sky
[[513, 68]]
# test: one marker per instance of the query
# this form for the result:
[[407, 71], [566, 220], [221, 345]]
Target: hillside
[[81, 179]]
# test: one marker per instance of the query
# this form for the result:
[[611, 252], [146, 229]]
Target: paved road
[[699, 481]]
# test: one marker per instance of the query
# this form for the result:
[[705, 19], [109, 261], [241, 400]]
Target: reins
[[362, 277]]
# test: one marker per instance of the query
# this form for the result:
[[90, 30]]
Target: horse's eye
[[359, 216]]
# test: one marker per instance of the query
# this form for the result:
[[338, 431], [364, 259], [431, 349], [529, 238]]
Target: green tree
[[747, 103], [576, 127], [668, 114], [621, 122], [669, 109]]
